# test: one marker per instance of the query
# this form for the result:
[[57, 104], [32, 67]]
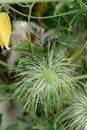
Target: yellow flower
[[5, 30]]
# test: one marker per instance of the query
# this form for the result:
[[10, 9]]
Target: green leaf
[[28, 128], [60, 28], [0, 119], [67, 39], [52, 22], [61, 128], [27, 48], [3, 63], [13, 127], [3, 66], [47, 127]]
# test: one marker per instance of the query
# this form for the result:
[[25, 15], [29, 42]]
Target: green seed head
[[44, 82]]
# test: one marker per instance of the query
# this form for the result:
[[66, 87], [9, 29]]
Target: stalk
[[23, 1]]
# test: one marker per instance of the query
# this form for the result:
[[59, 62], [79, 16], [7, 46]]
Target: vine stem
[[22, 1], [45, 17], [29, 37], [78, 53]]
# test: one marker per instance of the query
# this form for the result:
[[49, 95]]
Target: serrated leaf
[[13, 127], [0, 119]]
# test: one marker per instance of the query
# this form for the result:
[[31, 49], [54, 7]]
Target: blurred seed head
[[74, 117], [19, 37], [20, 33]]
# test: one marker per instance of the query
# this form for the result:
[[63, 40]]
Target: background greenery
[[49, 81]]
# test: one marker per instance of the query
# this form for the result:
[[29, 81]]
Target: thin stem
[[22, 1], [23, 5], [53, 16], [84, 76], [78, 53], [18, 12], [45, 17], [3, 63], [30, 11], [70, 25], [5, 99]]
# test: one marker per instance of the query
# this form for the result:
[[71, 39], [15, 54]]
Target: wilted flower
[[20, 36], [5, 30]]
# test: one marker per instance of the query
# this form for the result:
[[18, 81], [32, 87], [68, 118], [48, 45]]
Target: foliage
[[49, 81], [13, 127]]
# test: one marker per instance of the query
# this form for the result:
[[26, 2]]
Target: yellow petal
[[1, 44], [5, 30]]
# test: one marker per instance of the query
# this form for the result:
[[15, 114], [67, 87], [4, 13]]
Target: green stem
[[59, 15], [5, 99], [84, 76], [18, 12], [70, 25], [3, 63], [23, 5], [22, 1], [79, 52], [45, 17], [29, 37]]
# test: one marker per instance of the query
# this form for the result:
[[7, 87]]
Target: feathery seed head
[[44, 81]]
